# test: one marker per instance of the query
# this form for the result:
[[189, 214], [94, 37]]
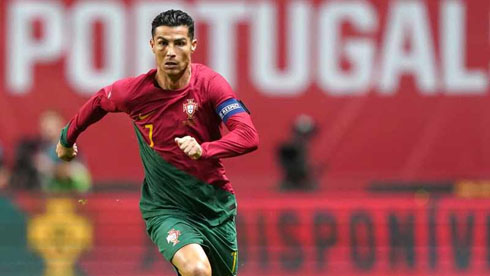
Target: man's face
[[50, 124], [172, 47]]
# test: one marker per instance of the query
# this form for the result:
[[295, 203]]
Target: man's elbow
[[254, 141]]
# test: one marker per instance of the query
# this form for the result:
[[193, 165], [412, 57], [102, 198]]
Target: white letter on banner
[[81, 72], [222, 18], [263, 42], [23, 50], [145, 12], [407, 21], [457, 79], [360, 52]]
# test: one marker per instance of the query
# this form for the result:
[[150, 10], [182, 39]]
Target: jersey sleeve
[[242, 136], [93, 110]]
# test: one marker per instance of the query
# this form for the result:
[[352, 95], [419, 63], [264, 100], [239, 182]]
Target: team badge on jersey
[[190, 108], [173, 236]]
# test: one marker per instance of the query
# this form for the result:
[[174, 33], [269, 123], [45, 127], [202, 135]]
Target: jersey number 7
[[150, 135]]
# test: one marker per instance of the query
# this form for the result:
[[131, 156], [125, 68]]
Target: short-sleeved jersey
[[173, 181]]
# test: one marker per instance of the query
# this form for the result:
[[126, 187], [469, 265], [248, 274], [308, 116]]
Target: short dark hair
[[173, 18]]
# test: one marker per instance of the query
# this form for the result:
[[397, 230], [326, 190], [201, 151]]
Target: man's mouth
[[170, 64]]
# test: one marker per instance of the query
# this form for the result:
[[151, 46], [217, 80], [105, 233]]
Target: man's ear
[[193, 45], [152, 43]]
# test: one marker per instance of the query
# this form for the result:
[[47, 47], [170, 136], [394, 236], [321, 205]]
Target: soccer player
[[187, 201]]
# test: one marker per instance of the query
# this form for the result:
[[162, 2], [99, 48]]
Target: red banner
[[398, 89], [290, 235]]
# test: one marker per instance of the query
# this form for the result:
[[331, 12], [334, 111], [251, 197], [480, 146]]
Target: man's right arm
[[92, 111], [66, 153]]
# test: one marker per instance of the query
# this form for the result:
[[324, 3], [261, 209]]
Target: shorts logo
[[190, 108], [173, 236]]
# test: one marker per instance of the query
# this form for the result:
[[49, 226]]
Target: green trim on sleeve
[[64, 133]]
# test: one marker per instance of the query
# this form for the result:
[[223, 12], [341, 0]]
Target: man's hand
[[66, 154], [189, 146]]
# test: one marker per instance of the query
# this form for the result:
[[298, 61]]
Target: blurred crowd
[[298, 173], [35, 166]]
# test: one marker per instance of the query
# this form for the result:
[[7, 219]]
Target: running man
[[187, 201]]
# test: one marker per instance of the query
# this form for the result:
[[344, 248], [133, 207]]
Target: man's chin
[[172, 72]]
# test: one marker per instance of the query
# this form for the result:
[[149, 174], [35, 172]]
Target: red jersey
[[162, 115]]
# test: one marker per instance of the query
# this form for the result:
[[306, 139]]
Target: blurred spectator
[[37, 166], [293, 156], [3, 170]]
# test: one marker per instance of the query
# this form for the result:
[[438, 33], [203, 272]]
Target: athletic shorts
[[170, 233]]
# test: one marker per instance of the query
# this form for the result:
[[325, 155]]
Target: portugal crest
[[190, 108], [173, 236]]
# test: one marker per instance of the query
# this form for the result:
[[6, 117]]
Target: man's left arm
[[242, 138]]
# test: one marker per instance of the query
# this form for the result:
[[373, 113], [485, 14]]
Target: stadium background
[[398, 91]]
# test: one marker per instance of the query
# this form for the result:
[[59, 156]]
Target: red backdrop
[[296, 236], [407, 101]]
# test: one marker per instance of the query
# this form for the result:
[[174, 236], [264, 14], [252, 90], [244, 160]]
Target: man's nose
[[170, 51]]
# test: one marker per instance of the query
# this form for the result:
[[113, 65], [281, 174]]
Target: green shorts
[[170, 233]]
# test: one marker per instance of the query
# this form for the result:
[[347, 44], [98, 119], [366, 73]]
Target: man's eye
[[180, 43], [163, 43]]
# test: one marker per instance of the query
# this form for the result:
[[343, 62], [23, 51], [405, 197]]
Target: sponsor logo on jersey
[[173, 236], [142, 117]]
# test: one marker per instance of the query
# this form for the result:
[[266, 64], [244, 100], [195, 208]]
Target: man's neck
[[167, 82]]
